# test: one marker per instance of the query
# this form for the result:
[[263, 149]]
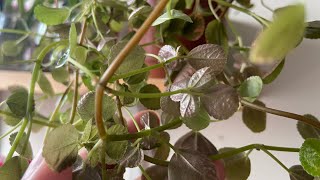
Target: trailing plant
[[208, 77]]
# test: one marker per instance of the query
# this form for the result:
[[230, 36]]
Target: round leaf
[[60, 148], [17, 102], [199, 121], [133, 61], [169, 106], [157, 173], [253, 119], [167, 52], [237, 167], [298, 173], [208, 55], [177, 86], [14, 168], [45, 85], [150, 103], [11, 48], [132, 158], [310, 156], [251, 88], [197, 142], [194, 30], [116, 149], [190, 165], [306, 131], [23, 143], [86, 106], [51, 16], [216, 34], [221, 102], [60, 74]]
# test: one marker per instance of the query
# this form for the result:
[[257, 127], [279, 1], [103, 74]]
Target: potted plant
[[104, 44]]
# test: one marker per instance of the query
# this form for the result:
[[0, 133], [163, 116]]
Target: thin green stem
[[16, 31], [155, 161], [150, 95], [82, 68], [11, 130], [142, 133], [117, 62], [252, 146], [213, 11], [145, 174], [289, 115], [75, 97], [95, 21], [57, 108], [21, 7], [255, 16], [19, 62], [30, 101], [119, 106], [103, 163], [275, 159]]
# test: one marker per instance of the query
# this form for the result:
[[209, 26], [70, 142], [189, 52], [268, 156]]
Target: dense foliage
[[208, 77]]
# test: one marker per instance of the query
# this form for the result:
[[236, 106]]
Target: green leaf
[[17, 102], [208, 55], [199, 121], [298, 173], [312, 30], [9, 118], [11, 48], [90, 132], [202, 80], [45, 85], [168, 118], [175, 14], [245, 3], [274, 74], [73, 38], [116, 149], [163, 151], [310, 156], [306, 131], [283, 34], [86, 106], [197, 142], [150, 103], [133, 61], [194, 30], [60, 148], [132, 158], [221, 102], [60, 74], [189, 105], [251, 88], [22, 143], [79, 54], [14, 168], [189, 165], [169, 106], [253, 119], [51, 16], [216, 34], [237, 167]]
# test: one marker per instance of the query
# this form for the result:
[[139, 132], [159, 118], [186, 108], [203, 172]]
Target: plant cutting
[[103, 45]]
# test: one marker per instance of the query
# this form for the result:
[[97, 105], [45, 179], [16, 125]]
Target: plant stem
[[57, 108], [252, 146], [21, 7], [255, 16], [16, 31], [213, 11], [304, 119], [119, 106], [133, 119], [142, 133], [103, 162], [30, 102], [117, 62], [149, 95], [75, 97], [11, 130], [145, 174], [275, 159], [82, 68], [156, 161]]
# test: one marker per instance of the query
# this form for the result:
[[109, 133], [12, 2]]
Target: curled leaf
[[251, 88]]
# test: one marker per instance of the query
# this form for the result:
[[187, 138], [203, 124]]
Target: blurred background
[[296, 90]]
